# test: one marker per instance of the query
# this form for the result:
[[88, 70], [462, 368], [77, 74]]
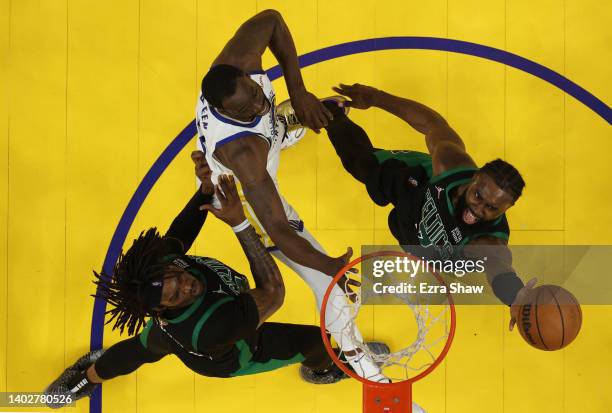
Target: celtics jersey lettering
[[226, 280], [439, 228]]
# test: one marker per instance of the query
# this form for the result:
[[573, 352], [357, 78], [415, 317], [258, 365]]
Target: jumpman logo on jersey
[[220, 291], [439, 190]]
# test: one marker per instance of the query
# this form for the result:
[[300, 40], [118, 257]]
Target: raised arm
[[188, 223], [244, 50], [247, 157], [269, 291], [446, 148]]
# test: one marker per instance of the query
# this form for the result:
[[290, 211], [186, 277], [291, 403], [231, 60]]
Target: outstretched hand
[[362, 97], [231, 211], [346, 283], [310, 111], [521, 298], [203, 172]]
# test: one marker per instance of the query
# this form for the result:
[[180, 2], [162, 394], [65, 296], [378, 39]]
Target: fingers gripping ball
[[550, 319]]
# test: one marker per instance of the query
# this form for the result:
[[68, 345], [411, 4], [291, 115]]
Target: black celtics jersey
[[438, 225], [208, 334]]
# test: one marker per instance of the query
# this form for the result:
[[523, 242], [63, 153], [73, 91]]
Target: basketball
[[550, 319]]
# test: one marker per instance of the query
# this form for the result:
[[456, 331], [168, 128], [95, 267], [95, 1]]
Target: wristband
[[242, 226], [506, 286]]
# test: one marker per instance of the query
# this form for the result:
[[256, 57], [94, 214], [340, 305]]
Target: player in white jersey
[[240, 135]]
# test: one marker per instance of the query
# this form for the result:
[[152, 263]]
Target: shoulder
[[448, 156], [246, 150], [455, 174]]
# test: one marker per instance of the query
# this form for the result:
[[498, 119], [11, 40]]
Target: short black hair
[[127, 288], [506, 176], [220, 83]]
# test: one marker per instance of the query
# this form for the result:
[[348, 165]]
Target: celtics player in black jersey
[[198, 308], [443, 203]]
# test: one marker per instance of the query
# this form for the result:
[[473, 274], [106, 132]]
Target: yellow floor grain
[[92, 92]]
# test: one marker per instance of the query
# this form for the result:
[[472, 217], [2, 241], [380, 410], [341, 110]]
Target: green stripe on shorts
[[248, 366]]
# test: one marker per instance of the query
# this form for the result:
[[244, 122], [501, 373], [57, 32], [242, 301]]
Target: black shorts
[[276, 345], [401, 179]]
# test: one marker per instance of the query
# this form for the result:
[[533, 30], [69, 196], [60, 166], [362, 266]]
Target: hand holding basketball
[[520, 299], [548, 317]]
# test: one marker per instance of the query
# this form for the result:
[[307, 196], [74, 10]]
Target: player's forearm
[[496, 255], [494, 267], [283, 48], [417, 115], [265, 271], [269, 293], [501, 276], [188, 223], [263, 197]]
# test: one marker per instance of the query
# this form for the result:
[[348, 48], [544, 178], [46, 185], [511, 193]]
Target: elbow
[[278, 289], [435, 121], [277, 293], [271, 15]]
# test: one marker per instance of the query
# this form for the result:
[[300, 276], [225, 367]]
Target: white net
[[414, 325]]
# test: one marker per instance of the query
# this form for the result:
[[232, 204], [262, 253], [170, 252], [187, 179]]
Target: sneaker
[[286, 114], [291, 137], [60, 385], [88, 359], [378, 347], [294, 130], [333, 375]]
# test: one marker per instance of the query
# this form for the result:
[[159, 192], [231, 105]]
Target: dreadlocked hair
[[140, 265], [506, 176]]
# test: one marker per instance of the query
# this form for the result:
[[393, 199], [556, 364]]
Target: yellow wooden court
[[91, 93]]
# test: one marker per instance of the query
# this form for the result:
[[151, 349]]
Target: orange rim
[[341, 365]]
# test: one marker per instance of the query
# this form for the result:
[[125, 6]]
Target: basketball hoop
[[393, 397]]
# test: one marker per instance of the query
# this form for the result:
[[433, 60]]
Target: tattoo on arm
[[261, 262], [270, 290]]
